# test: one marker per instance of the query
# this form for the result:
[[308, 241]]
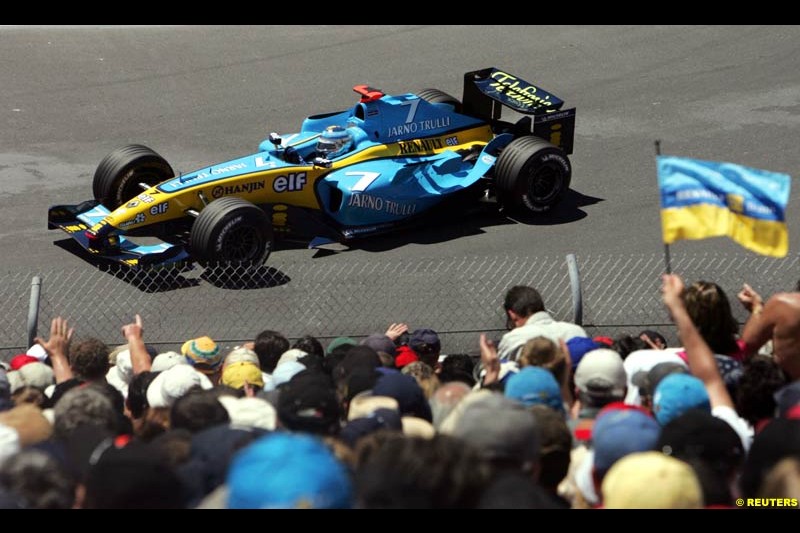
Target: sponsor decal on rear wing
[[511, 91]]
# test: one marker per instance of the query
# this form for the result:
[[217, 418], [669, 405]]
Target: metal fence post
[[575, 285], [33, 309]]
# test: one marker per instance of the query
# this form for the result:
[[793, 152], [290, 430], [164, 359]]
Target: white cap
[[291, 355], [250, 412], [601, 368], [241, 354], [121, 374], [286, 372], [34, 374], [166, 360], [173, 383]]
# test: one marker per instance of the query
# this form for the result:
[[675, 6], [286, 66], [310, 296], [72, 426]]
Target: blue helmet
[[334, 141]]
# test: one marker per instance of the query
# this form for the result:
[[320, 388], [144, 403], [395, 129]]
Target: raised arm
[[133, 333], [489, 360], [757, 331], [701, 359], [57, 348]]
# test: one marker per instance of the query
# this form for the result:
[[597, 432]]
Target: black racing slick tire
[[435, 96], [119, 175], [231, 230], [532, 174]]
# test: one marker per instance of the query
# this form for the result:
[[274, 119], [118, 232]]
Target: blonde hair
[[543, 352], [783, 480], [426, 378]]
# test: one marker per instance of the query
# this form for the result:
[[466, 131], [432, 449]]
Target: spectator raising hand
[[134, 334], [750, 299], [702, 363], [489, 360], [394, 331], [57, 348]]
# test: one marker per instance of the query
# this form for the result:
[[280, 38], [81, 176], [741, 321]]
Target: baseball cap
[[167, 360], [340, 341], [36, 374], [651, 480], [236, 374], [619, 432], [380, 343], [308, 402], [425, 340], [580, 346], [288, 471], [601, 373], [405, 389], [250, 412], [534, 385], [20, 360], [676, 394], [239, 354], [648, 380], [500, 428], [404, 356], [173, 383]]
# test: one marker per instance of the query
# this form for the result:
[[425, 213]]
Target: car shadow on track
[[174, 278], [568, 210], [239, 279]]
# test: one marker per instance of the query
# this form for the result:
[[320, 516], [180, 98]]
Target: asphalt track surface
[[201, 95]]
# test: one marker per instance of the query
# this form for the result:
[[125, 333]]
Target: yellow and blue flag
[[701, 199]]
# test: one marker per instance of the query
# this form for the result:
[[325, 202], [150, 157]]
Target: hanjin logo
[[228, 190]]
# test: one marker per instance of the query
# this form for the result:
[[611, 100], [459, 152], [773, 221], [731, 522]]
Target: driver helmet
[[334, 141]]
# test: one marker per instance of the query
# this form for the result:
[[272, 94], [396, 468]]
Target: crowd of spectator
[[548, 417]]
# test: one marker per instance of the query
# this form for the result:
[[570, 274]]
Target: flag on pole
[[701, 199]]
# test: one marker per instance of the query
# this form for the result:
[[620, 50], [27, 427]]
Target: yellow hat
[[202, 353], [651, 480], [236, 374]]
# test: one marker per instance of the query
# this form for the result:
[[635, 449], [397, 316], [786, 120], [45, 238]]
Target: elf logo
[[294, 181]]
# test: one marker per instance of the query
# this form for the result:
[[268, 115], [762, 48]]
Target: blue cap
[[619, 432], [676, 394], [406, 391], [534, 385], [580, 346], [288, 471]]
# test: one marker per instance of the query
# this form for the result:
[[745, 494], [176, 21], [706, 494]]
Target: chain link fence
[[457, 297]]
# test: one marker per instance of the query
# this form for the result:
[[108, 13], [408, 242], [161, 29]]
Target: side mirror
[[275, 139], [322, 162]]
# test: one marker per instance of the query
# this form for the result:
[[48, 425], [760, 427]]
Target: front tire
[[231, 230], [532, 174], [119, 175]]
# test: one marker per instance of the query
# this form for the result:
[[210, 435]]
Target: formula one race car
[[386, 162]]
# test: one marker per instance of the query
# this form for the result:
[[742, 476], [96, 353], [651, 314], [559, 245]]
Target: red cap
[[18, 361], [607, 341], [405, 356]]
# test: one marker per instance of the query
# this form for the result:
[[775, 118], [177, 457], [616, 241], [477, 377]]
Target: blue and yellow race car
[[384, 163]]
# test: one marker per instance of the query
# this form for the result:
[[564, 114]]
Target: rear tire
[[435, 96], [532, 174], [117, 178], [231, 230]]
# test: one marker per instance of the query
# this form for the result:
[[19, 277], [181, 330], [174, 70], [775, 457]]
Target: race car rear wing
[[486, 91]]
